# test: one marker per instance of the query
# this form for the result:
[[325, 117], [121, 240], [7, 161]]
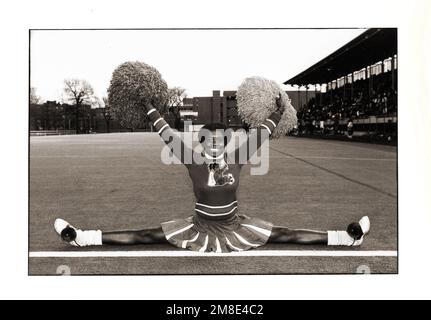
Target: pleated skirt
[[237, 233]]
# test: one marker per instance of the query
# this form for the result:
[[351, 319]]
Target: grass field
[[117, 181]]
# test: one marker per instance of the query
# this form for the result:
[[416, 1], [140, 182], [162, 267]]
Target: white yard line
[[252, 253], [334, 158], [347, 158]]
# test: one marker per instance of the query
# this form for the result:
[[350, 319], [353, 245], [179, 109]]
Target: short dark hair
[[212, 127]]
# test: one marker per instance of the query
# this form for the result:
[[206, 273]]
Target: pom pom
[[133, 85], [256, 97]]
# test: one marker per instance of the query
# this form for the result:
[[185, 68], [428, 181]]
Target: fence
[[51, 132]]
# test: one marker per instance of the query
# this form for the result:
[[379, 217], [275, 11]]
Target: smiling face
[[214, 144], [214, 138]]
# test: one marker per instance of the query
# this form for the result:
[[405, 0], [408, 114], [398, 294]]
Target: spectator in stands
[[322, 126], [350, 129]]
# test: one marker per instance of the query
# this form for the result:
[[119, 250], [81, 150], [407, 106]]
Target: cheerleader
[[216, 225]]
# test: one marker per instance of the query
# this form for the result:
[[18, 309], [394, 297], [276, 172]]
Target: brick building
[[223, 107]]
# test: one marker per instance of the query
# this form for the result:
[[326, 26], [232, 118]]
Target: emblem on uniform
[[217, 175]]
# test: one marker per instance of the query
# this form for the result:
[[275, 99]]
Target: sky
[[198, 60]]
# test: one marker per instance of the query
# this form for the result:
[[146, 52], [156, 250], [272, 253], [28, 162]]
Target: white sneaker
[[76, 237], [365, 226]]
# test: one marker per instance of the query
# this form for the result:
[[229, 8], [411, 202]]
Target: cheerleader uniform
[[216, 225]]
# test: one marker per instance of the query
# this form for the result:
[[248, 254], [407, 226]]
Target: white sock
[[339, 238], [89, 238]]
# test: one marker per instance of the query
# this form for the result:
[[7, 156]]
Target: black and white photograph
[[215, 158], [237, 161]]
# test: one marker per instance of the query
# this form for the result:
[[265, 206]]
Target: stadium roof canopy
[[372, 46]]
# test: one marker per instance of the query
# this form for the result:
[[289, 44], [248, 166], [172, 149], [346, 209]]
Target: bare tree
[[175, 99], [176, 96], [34, 98], [80, 92]]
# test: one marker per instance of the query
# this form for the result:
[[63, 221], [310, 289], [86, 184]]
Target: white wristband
[[273, 123], [151, 111], [157, 121]]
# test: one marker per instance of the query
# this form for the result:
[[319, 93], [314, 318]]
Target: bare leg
[[146, 236], [298, 236]]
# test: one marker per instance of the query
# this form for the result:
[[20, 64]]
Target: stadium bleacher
[[357, 85]]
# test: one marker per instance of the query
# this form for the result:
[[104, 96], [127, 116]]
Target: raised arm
[[173, 140], [258, 136]]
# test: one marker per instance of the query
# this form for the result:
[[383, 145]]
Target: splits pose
[[216, 225]]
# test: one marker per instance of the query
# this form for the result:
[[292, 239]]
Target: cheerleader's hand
[[280, 105]]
